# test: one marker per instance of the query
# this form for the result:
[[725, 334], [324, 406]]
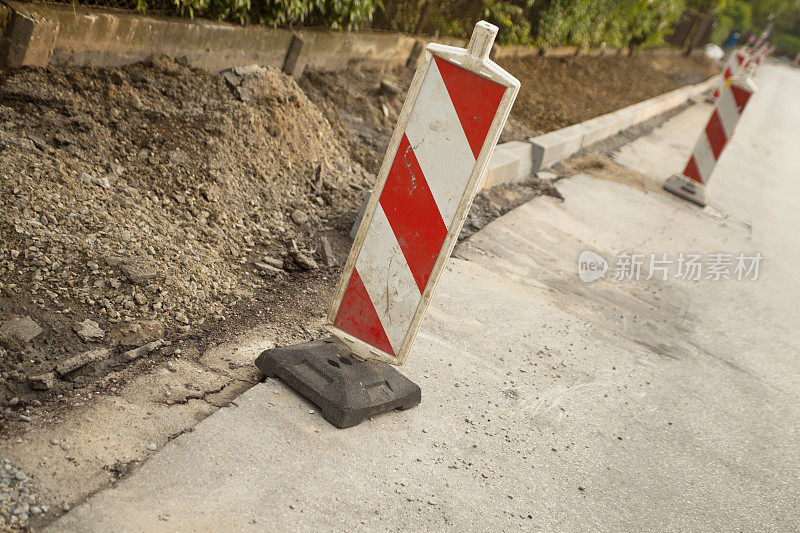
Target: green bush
[[585, 23], [788, 44], [510, 19], [591, 23], [339, 14], [733, 15]]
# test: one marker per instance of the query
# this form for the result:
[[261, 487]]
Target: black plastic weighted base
[[687, 189], [346, 389]]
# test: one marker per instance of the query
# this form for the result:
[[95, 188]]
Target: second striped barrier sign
[[691, 184], [456, 107], [734, 67]]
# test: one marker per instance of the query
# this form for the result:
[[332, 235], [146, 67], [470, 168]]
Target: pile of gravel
[[19, 498], [154, 196], [140, 192]]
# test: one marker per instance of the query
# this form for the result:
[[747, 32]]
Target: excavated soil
[[158, 199], [558, 92], [154, 199]]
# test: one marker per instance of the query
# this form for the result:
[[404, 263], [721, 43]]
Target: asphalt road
[[549, 403]]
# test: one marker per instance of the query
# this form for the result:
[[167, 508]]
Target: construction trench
[[161, 224]]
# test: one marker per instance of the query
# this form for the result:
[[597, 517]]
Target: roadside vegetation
[[754, 16], [547, 23]]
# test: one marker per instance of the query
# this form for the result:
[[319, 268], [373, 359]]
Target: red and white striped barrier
[[736, 63], [456, 108], [760, 56], [715, 137]]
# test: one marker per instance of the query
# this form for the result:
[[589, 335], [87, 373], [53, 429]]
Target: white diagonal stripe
[[704, 157], [388, 279], [727, 111], [440, 144]]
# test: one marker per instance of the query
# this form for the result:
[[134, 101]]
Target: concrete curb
[[41, 35], [518, 160]]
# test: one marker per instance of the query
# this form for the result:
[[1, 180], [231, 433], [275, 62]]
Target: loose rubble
[[89, 331], [19, 498], [138, 202], [21, 329]]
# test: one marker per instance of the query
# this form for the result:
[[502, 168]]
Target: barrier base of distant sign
[[687, 189], [347, 390]]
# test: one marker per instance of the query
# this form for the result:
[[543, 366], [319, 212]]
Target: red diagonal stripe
[[357, 316], [716, 134], [716, 93], [475, 99], [692, 171], [740, 96], [413, 214], [727, 74]]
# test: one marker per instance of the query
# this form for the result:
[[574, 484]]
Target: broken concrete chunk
[[43, 381], [302, 260], [273, 262], [232, 78], [299, 217], [249, 70], [391, 88], [22, 329], [267, 269], [139, 270], [238, 78], [81, 360], [89, 331], [326, 251], [136, 333], [305, 262], [136, 353]]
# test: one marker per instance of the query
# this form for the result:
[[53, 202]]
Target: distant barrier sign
[[735, 65], [724, 118], [456, 107]]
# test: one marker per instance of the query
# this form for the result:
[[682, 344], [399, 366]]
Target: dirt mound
[[152, 193], [558, 92], [363, 105]]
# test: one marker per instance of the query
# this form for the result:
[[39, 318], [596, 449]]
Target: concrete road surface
[[549, 403]]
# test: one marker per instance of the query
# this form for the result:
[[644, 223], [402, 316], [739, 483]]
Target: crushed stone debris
[[137, 202], [20, 498]]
